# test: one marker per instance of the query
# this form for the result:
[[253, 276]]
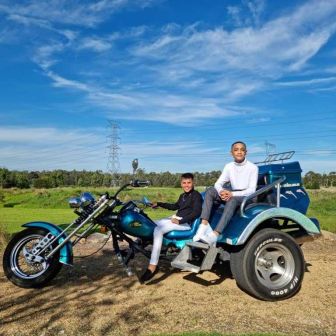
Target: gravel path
[[95, 297]]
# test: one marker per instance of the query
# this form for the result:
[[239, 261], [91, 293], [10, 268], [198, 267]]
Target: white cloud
[[59, 81], [95, 44], [308, 82], [281, 45], [71, 12], [44, 135], [209, 70]]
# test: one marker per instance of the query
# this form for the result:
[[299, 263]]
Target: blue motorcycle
[[261, 243]]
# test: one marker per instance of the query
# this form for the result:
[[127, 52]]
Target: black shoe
[[147, 275]]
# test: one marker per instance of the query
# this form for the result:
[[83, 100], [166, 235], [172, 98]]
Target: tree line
[[98, 178]]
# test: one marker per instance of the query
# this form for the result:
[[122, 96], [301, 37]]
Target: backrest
[[292, 193]]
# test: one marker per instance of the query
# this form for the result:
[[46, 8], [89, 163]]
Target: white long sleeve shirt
[[242, 176]]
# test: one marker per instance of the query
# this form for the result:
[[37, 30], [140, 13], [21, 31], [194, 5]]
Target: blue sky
[[183, 79]]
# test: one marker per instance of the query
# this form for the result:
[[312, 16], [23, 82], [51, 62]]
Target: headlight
[[86, 199]]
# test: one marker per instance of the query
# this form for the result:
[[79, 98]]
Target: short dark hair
[[237, 142], [187, 176]]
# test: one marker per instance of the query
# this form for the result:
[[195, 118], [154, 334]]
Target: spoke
[[277, 269], [265, 273]]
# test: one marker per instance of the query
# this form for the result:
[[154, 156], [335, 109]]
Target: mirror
[[146, 201]]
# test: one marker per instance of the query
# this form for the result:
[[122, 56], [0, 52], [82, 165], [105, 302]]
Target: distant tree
[[21, 180], [312, 180], [43, 182]]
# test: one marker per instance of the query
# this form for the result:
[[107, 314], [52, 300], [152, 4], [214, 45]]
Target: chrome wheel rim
[[20, 265], [274, 266]]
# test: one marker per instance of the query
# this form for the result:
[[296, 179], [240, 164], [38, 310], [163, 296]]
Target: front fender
[[66, 255], [305, 222]]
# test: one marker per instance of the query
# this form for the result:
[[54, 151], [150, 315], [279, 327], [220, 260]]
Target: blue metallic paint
[[136, 224], [294, 202], [66, 255]]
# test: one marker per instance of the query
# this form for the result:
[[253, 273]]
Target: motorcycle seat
[[186, 234]]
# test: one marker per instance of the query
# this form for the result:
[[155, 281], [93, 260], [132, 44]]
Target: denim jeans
[[212, 198]]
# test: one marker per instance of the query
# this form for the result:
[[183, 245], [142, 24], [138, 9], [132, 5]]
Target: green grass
[[51, 205], [323, 207]]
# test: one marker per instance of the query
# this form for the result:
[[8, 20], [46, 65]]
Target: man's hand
[[154, 205], [175, 221], [225, 195]]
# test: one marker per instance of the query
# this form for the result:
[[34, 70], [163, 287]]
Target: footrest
[[185, 266], [200, 245], [182, 259], [209, 259]]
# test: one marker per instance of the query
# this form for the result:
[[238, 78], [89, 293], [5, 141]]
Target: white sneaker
[[210, 238], [201, 231]]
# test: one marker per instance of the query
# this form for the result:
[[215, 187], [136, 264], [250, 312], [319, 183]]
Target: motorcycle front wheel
[[23, 272]]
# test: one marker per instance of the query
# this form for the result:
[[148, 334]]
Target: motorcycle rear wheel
[[22, 272]]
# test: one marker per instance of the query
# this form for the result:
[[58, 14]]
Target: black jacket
[[189, 206]]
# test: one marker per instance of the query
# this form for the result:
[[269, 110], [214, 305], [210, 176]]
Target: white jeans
[[163, 226]]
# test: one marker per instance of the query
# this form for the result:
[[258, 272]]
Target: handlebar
[[133, 183]]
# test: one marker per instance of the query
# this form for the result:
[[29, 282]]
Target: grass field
[[21, 206]]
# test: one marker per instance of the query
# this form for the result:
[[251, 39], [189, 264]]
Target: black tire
[[236, 259], [14, 262], [270, 266]]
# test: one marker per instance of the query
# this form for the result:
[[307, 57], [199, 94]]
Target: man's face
[[187, 184], [238, 152]]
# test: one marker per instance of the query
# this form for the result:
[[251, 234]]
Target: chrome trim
[[261, 191], [94, 213]]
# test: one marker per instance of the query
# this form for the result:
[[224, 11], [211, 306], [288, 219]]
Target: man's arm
[[252, 183], [196, 209], [170, 206], [223, 178]]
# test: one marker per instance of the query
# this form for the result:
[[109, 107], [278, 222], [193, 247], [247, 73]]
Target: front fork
[[126, 255]]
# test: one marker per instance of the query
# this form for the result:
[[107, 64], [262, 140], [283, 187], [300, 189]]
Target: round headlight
[[86, 199], [74, 202]]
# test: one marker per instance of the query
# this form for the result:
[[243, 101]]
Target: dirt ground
[[96, 297]]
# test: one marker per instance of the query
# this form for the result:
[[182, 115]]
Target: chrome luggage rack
[[277, 157]]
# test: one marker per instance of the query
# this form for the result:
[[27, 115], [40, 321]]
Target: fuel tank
[[135, 222]]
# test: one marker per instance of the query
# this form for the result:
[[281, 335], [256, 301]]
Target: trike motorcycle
[[262, 242]]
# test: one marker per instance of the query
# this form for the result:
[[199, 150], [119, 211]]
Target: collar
[[240, 163], [189, 192]]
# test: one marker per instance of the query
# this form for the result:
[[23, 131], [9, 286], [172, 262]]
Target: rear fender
[[310, 226], [66, 255]]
